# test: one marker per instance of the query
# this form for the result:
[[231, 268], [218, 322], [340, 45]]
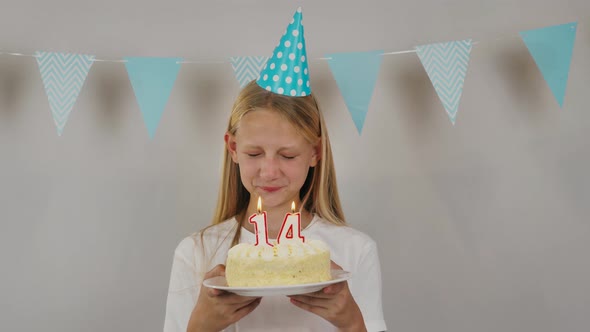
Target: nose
[[269, 168]]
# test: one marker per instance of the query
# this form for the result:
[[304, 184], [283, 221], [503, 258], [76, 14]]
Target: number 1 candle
[[260, 226]]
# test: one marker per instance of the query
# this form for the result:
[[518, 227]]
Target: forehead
[[267, 126]]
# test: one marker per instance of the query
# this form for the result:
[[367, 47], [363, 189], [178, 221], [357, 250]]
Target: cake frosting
[[282, 264]]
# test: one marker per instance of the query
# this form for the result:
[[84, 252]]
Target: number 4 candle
[[291, 228]]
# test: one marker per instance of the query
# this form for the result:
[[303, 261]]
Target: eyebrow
[[254, 146]]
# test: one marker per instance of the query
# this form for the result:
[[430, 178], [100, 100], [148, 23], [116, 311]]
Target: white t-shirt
[[353, 250]]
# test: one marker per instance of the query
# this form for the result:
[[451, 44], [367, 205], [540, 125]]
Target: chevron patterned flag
[[63, 75], [247, 68], [446, 66]]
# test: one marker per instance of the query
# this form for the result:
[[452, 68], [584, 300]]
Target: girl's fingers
[[231, 298], [212, 292], [238, 300], [246, 309], [218, 270], [326, 292], [320, 311], [319, 295], [311, 301], [334, 288]]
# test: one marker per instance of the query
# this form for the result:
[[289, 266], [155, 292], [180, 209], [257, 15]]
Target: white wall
[[481, 227]]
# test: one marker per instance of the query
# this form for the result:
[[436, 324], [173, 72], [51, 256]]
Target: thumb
[[335, 266], [218, 270]]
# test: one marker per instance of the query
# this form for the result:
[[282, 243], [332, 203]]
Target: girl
[[277, 147]]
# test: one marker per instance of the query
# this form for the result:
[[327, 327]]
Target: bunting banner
[[356, 74], [247, 68], [446, 66], [152, 80], [552, 48], [63, 76]]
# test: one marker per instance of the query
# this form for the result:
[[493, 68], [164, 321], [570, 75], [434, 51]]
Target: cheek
[[298, 172], [247, 169]]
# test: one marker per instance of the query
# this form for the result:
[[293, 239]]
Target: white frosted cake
[[283, 264]]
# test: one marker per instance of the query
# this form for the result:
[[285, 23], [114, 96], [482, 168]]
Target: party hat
[[286, 71]]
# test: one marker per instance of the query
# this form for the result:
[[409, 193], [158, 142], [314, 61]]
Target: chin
[[274, 201]]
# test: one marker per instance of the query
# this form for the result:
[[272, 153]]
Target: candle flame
[[259, 206], [293, 207]]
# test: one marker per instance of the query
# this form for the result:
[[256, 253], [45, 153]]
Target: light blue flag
[[446, 65], [552, 48], [152, 80], [63, 76], [247, 68], [355, 74]]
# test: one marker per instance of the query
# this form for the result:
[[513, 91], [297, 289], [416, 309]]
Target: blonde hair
[[319, 193]]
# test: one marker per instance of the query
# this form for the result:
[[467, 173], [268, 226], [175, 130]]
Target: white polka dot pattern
[[288, 64]]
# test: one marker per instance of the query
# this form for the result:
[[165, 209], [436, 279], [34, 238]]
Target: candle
[[291, 228], [259, 221]]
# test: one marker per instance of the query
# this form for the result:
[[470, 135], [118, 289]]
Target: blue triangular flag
[[63, 76], [355, 74], [552, 48], [446, 66], [152, 80], [247, 68]]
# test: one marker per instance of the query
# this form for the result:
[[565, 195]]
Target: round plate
[[221, 283]]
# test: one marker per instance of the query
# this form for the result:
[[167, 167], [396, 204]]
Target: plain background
[[482, 226]]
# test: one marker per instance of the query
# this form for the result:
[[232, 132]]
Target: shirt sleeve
[[367, 292], [185, 283]]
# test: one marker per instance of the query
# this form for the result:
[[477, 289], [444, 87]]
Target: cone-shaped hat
[[286, 71]]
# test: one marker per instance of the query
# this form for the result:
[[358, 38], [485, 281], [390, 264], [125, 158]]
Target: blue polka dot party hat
[[286, 71]]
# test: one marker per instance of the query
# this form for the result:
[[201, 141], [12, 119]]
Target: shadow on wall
[[326, 90], [203, 89], [526, 84], [419, 105], [422, 111], [12, 83], [112, 86]]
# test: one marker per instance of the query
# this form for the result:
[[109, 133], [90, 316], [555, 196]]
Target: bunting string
[[201, 62], [222, 62], [355, 73]]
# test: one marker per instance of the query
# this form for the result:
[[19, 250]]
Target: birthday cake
[[283, 264]]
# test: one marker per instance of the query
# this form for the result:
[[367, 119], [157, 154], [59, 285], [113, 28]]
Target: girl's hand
[[335, 304], [216, 309]]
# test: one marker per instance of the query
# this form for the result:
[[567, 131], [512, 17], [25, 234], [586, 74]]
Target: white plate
[[221, 283]]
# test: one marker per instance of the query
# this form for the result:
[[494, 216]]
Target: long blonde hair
[[319, 193]]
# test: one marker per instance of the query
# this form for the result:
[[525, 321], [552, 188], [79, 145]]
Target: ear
[[316, 154], [230, 144]]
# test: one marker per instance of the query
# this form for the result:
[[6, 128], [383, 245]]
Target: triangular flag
[[355, 74], [552, 48], [247, 68], [63, 76], [152, 80], [446, 66]]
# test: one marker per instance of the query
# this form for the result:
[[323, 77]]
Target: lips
[[270, 189]]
